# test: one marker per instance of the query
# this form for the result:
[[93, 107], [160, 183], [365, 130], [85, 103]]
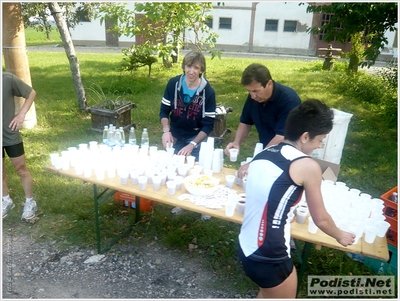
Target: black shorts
[[14, 151], [266, 274]]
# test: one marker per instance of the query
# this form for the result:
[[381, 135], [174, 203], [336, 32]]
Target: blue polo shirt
[[270, 117]]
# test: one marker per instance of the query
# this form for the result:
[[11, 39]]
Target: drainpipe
[[253, 16]]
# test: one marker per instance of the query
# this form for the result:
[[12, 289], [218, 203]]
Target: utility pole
[[15, 54]]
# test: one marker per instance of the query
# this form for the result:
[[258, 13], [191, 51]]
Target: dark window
[[225, 23], [290, 26], [326, 18], [271, 25], [209, 22]]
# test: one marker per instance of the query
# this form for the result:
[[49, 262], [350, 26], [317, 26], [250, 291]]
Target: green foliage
[[350, 18], [138, 56], [73, 13], [162, 25]]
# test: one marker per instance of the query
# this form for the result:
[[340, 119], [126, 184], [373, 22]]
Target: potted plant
[[109, 111]]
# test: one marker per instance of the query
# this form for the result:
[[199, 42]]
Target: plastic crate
[[129, 200], [387, 201], [391, 213], [391, 237], [381, 267]]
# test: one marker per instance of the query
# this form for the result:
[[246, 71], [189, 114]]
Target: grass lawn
[[369, 158]]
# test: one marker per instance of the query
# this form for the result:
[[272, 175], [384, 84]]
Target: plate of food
[[201, 185]]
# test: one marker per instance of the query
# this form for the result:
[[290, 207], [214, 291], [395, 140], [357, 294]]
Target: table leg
[[100, 198]]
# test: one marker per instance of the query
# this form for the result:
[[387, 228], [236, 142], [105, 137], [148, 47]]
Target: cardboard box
[[330, 171]]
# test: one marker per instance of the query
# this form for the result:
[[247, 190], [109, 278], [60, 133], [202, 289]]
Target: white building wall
[[282, 11]]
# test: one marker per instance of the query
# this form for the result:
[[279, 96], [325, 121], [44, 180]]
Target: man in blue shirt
[[267, 107]]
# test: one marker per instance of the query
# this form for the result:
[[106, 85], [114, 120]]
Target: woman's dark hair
[[193, 57], [311, 116], [256, 72]]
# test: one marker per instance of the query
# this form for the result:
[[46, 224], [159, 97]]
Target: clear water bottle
[[145, 138], [121, 130], [132, 136], [105, 134], [118, 137], [111, 137]]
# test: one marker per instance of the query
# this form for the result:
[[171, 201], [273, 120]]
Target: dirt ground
[[134, 270]]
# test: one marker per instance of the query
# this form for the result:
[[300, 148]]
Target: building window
[[209, 22], [326, 18], [271, 25], [225, 23], [290, 26]]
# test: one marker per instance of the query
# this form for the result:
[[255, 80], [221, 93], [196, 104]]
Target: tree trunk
[[70, 52], [15, 56]]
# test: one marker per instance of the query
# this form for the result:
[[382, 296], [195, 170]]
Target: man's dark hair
[[256, 72], [311, 116]]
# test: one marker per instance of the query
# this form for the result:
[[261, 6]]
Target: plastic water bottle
[[111, 137], [105, 134], [118, 137], [132, 136], [145, 138], [121, 130]]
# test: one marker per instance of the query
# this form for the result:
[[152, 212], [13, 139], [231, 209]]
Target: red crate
[[387, 201], [390, 212], [129, 200], [391, 237]]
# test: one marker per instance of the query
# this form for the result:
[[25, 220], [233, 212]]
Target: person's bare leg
[[287, 289], [24, 173], [5, 186]]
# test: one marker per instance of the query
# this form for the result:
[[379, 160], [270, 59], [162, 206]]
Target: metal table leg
[[98, 199]]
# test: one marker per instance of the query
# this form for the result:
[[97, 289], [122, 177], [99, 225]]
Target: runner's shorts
[[14, 151], [266, 274]]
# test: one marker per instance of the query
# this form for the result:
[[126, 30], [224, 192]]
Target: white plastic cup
[[134, 177], [65, 160], [382, 226], [312, 227], [87, 171], [229, 179], [233, 154], [163, 177], [170, 151], [178, 180], [78, 169], [171, 186], [53, 158], [142, 180], [238, 180], [370, 234], [241, 204], [182, 171], [111, 171], [171, 176], [156, 182], [208, 172], [244, 182], [99, 173], [230, 205], [358, 232], [301, 215], [190, 160]]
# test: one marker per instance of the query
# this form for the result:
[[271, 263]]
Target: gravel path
[[136, 270]]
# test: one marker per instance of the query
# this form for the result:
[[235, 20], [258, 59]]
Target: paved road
[[98, 49]]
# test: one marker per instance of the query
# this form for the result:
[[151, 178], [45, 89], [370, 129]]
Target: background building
[[261, 27]]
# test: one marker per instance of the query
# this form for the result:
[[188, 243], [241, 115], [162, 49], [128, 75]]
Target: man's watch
[[194, 143]]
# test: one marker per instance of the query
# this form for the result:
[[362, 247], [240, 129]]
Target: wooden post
[[15, 55]]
